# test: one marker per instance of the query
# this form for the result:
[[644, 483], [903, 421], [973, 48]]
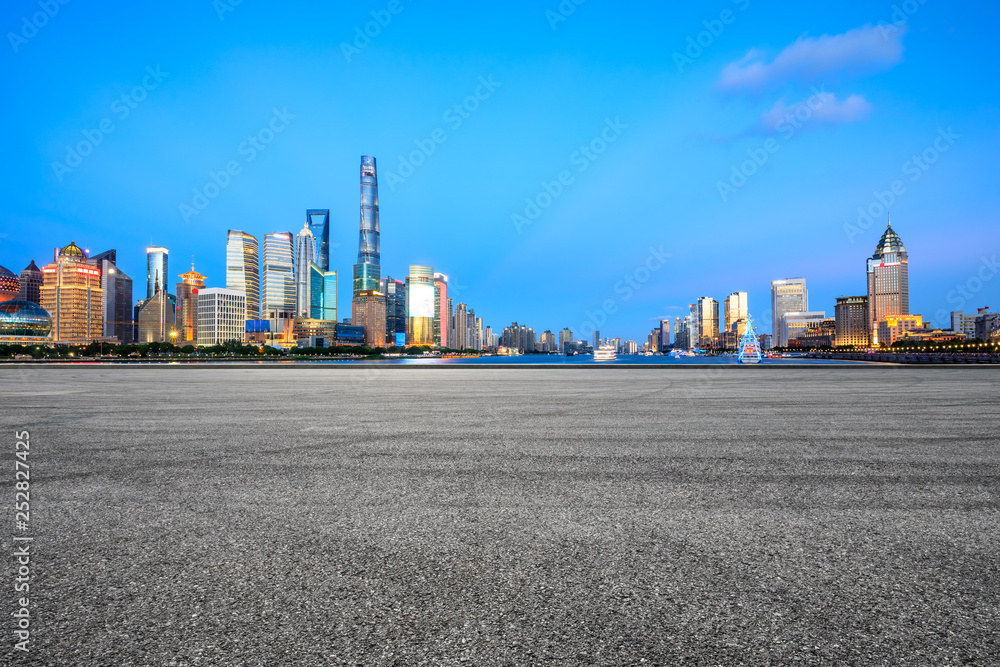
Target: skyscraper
[[72, 294], [243, 269], [31, 283], [369, 313], [117, 297], [787, 296], [187, 291], [565, 337], [736, 312], [888, 281], [305, 254], [156, 269], [221, 316], [420, 305], [708, 320], [318, 224], [461, 341], [851, 316], [441, 315], [367, 272], [693, 326], [664, 333], [279, 276], [322, 294], [395, 308]]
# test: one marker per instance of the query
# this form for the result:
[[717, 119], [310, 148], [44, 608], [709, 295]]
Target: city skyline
[[486, 200]]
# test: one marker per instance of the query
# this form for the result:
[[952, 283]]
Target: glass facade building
[[367, 272], [156, 269], [888, 281], [708, 321], [788, 295], [278, 275], [243, 269], [318, 224], [117, 305], [23, 319], [420, 305], [442, 316], [395, 308], [305, 256], [322, 294]]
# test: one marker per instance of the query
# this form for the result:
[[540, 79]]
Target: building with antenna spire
[[368, 302]]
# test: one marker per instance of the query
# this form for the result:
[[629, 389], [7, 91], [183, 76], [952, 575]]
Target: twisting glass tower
[[367, 272]]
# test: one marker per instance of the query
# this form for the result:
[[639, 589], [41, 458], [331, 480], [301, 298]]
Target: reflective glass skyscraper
[[279, 275], [367, 272], [322, 294], [787, 296], [318, 222], [243, 269], [305, 254], [156, 269]]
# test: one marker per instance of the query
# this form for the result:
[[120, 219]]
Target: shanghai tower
[[367, 272]]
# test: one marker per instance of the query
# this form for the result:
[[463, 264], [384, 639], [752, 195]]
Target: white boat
[[605, 353]]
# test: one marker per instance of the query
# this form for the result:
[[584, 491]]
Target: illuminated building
[[71, 293], [793, 325], [851, 316], [156, 269], [395, 309], [787, 296], [10, 285], [23, 323], [708, 321], [519, 337], [187, 290], [735, 313], [441, 315], [461, 341], [892, 328], [565, 337], [31, 284], [888, 281], [692, 325], [157, 318], [323, 333], [278, 274], [477, 333], [369, 314], [960, 322], [322, 294], [243, 270], [420, 305], [664, 333], [318, 224], [305, 255], [822, 335], [221, 315], [367, 272], [117, 304]]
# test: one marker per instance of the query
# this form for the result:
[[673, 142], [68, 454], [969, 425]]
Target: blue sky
[[685, 170]]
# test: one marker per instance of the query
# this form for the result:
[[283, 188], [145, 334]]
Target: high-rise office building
[[157, 318], [278, 275], [10, 285], [708, 320], [31, 283], [692, 326], [595, 340], [547, 341], [156, 269], [736, 312], [117, 297], [318, 224], [888, 281], [369, 314], [851, 317], [664, 333], [420, 305], [794, 325], [461, 341], [305, 254], [187, 292], [960, 323], [221, 316], [395, 309], [787, 296], [565, 337], [322, 294], [367, 272], [71, 293], [243, 269], [441, 317]]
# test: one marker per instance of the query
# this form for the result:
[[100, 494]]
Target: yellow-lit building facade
[[71, 293]]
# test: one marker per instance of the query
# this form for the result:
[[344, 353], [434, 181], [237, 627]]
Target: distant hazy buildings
[[31, 283], [787, 296], [243, 270], [565, 338], [692, 326], [221, 315], [851, 317], [888, 281], [420, 305], [117, 297], [521, 337], [187, 291], [156, 269], [71, 293]]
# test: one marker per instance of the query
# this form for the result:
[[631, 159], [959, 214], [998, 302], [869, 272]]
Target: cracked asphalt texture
[[496, 516]]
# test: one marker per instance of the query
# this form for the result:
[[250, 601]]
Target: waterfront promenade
[[389, 516]]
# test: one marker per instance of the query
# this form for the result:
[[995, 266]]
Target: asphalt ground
[[406, 516]]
